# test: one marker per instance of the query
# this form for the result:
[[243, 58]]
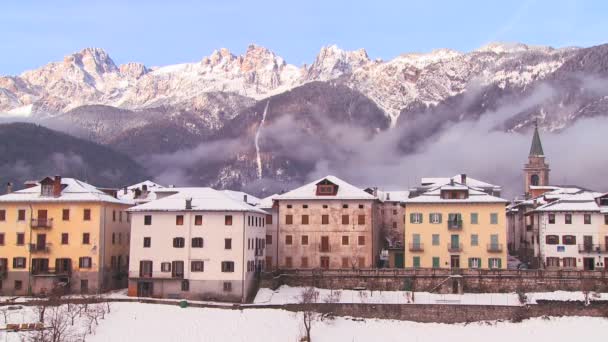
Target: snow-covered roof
[[240, 196], [393, 196], [434, 181], [203, 199], [267, 202], [73, 190], [582, 201], [143, 197], [475, 196], [346, 191]]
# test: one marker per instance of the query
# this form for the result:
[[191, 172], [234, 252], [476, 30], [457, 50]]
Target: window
[[305, 206], [304, 240], [435, 218], [147, 242], [289, 219], [361, 219], [394, 225], [65, 238], [474, 240], [120, 216], [552, 239], [145, 268], [165, 267], [185, 285], [569, 262], [269, 239], [179, 242], [395, 211], [20, 239], [227, 286], [198, 220], [177, 269], [2, 215], [289, 206], [551, 218], [344, 206], [474, 218], [147, 220], [119, 238], [288, 262], [344, 240], [86, 215], [179, 220], [569, 240], [113, 238], [493, 218], [344, 219], [86, 238], [304, 219], [416, 261], [361, 206], [18, 284], [587, 218], [325, 206], [268, 219], [197, 242], [1, 239], [228, 220], [19, 262], [416, 218], [435, 239], [345, 262], [552, 262], [227, 243], [361, 240], [84, 262], [65, 214], [474, 263], [304, 262], [227, 266], [606, 219], [568, 218], [21, 215], [494, 263], [113, 215], [325, 219], [436, 263], [288, 239], [197, 266]]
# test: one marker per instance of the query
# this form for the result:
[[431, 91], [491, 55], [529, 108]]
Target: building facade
[[389, 220], [327, 224], [455, 226], [196, 243], [62, 234], [272, 223]]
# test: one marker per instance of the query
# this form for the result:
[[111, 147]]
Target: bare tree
[[308, 299], [588, 288]]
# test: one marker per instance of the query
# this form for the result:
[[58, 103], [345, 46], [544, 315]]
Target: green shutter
[[411, 217], [470, 262], [416, 261], [499, 263], [480, 262], [421, 218], [440, 215], [435, 262]]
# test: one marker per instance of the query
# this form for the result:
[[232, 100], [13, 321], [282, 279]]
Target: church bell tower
[[536, 171]]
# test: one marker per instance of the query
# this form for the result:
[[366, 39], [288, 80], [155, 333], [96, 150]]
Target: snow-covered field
[[153, 322], [291, 295]]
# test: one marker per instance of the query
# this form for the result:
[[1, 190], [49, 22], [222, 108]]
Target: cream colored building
[[62, 233], [196, 243], [327, 223], [455, 225]]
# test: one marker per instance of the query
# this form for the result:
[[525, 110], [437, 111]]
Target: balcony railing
[[494, 248], [324, 248], [454, 247], [43, 223], [39, 248], [52, 272], [416, 247], [591, 248], [454, 224]]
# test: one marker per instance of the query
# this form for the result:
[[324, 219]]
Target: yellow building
[[62, 233], [455, 225]]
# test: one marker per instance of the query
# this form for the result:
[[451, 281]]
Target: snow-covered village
[[435, 171]]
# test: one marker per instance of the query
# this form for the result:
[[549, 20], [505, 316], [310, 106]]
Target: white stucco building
[[196, 243]]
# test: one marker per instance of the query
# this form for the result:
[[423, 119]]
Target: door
[[606, 263], [399, 260], [40, 241], [144, 289], [455, 261], [324, 262], [324, 243], [589, 264], [63, 265], [588, 243]]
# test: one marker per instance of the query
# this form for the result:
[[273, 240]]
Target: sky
[[162, 32]]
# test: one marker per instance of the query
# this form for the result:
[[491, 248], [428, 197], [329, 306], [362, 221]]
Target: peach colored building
[[196, 243], [62, 232], [327, 223]]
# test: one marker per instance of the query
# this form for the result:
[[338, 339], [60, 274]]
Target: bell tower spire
[[536, 171]]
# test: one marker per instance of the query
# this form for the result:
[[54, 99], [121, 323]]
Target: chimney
[[144, 188], [188, 203], [451, 181], [245, 198], [388, 196], [9, 187], [124, 190], [57, 186], [463, 178]]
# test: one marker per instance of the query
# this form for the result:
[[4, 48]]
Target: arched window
[[534, 180]]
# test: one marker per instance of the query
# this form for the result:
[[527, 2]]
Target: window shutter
[[499, 263], [411, 217], [470, 262], [440, 216]]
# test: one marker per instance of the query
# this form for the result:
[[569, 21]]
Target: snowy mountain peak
[[509, 47], [133, 70], [332, 62], [93, 60]]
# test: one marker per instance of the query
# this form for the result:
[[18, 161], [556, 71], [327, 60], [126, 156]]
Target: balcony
[[494, 248], [416, 247], [39, 248], [42, 223], [454, 224], [3, 273], [52, 272], [591, 248], [454, 247], [324, 249]]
